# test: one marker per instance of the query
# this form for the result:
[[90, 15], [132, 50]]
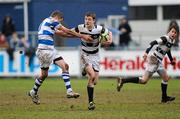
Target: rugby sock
[[164, 88], [90, 91], [37, 84], [66, 78], [131, 80]]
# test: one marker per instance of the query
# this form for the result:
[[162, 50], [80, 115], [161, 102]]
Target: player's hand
[[86, 37], [106, 43], [173, 63], [145, 56], [108, 40]]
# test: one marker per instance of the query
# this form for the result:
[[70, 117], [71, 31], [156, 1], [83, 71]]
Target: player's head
[[173, 32], [57, 15], [123, 20], [90, 19]]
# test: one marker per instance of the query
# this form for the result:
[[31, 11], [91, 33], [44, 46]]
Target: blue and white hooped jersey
[[46, 32]]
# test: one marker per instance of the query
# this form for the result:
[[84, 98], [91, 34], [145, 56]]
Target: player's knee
[[143, 82], [95, 82], [92, 76], [66, 66]]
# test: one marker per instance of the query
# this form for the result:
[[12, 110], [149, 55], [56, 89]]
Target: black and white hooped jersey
[[93, 46], [164, 45]]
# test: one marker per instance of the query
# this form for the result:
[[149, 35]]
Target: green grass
[[133, 102]]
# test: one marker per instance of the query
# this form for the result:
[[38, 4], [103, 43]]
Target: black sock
[[164, 90], [131, 80], [90, 91]]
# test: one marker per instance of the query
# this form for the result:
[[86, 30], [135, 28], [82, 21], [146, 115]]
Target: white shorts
[[46, 57], [153, 64], [90, 59]]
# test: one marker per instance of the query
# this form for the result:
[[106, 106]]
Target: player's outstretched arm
[[63, 34], [75, 34]]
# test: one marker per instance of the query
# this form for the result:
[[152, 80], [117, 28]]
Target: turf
[[133, 102]]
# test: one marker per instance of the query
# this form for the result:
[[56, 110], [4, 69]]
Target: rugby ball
[[104, 36]]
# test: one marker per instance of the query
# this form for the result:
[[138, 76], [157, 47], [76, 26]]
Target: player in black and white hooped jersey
[[90, 52], [154, 63]]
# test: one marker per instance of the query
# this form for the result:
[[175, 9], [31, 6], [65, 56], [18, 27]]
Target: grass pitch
[[133, 102]]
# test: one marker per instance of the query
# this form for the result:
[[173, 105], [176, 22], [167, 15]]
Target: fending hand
[[145, 56]]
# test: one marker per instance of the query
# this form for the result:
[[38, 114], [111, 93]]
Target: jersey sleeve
[[151, 45], [76, 29], [169, 55], [104, 30], [159, 41], [162, 40]]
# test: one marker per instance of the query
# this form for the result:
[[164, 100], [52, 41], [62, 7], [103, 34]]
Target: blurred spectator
[[8, 30], [29, 51], [125, 30], [174, 22], [3, 42]]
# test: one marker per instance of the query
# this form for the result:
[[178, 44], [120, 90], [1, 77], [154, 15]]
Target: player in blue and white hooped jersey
[[90, 52], [46, 53], [154, 63]]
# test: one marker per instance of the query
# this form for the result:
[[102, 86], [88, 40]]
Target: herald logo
[[110, 63]]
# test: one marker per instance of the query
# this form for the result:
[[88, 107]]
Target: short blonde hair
[[57, 13]]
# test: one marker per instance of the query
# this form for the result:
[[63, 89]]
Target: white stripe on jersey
[[45, 37], [48, 47]]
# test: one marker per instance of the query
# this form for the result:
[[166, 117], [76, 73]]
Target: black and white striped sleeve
[[76, 29], [170, 56], [151, 45]]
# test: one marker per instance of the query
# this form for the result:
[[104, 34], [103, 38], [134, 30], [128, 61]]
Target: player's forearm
[[74, 34], [70, 32], [110, 37], [63, 34]]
